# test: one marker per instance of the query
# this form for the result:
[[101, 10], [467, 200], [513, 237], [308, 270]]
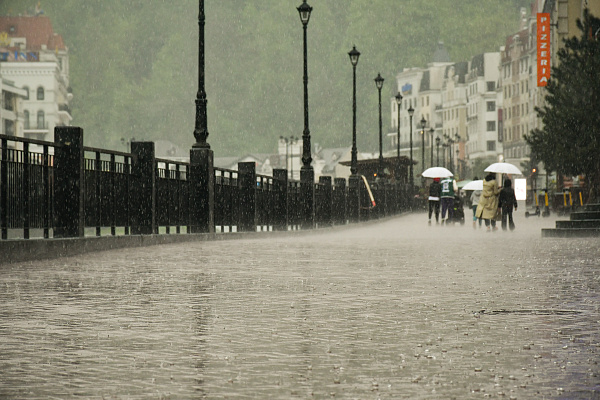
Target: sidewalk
[[389, 310]]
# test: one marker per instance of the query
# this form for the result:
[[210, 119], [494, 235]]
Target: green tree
[[569, 141]]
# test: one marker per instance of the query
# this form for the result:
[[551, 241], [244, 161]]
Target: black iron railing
[[64, 189]]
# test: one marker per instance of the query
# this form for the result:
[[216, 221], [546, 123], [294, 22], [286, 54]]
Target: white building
[[11, 116], [483, 106], [36, 59]]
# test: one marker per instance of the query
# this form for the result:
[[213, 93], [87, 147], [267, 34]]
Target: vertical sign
[[543, 48]]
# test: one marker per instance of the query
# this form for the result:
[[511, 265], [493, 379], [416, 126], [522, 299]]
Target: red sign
[[543, 48]]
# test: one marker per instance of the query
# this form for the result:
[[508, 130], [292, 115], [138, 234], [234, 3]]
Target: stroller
[[459, 212]]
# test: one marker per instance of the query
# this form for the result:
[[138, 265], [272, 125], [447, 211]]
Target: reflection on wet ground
[[395, 309]]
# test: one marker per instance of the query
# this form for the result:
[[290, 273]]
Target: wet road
[[387, 310]]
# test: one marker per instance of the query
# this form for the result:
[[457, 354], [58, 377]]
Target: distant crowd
[[490, 204]]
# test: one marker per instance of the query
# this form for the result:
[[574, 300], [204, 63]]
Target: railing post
[[339, 201], [326, 200], [202, 190], [68, 182], [280, 181], [143, 170], [247, 187], [354, 198]]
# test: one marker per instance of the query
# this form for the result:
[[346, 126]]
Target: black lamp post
[[399, 103], [354, 55], [431, 131], [201, 129], [411, 112], [437, 149], [379, 83], [457, 141], [304, 10], [307, 175], [445, 146], [423, 123]]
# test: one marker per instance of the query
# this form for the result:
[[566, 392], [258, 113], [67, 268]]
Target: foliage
[[134, 64], [569, 141]]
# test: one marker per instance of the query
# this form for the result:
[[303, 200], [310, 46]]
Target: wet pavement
[[390, 310]]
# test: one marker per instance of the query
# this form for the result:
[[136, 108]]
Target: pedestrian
[[474, 201], [488, 202], [506, 201], [435, 191], [448, 189]]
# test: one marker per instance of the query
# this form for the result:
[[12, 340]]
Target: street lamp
[[423, 123], [307, 175], [457, 141], [437, 149], [354, 55], [201, 129], [304, 10], [411, 112], [399, 103], [431, 131], [379, 83]]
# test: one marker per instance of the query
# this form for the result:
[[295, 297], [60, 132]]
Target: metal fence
[[65, 190]]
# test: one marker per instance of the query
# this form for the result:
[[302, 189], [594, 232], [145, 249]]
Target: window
[[491, 106], [491, 126], [491, 145], [26, 119], [40, 120], [491, 86], [40, 93], [26, 88]]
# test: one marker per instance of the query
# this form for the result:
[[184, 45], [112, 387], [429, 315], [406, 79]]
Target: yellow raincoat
[[488, 202]]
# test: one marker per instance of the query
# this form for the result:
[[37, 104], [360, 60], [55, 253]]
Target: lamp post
[[354, 55], [201, 176], [411, 112], [379, 83], [457, 141], [437, 149], [423, 123], [307, 175], [399, 103], [445, 146], [457, 162], [431, 131], [201, 129]]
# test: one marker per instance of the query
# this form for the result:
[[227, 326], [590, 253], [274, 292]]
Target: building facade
[[35, 59], [484, 108]]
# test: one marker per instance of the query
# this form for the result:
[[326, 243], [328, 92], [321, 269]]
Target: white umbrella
[[474, 185], [437, 172], [503, 168]]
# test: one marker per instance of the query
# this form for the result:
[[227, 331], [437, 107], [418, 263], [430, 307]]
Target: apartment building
[[34, 58], [484, 108]]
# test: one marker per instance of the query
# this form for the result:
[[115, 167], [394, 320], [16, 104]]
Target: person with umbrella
[[475, 201], [488, 202], [506, 201], [448, 189], [435, 191]]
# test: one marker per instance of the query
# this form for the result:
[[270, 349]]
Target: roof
[[36, 30]]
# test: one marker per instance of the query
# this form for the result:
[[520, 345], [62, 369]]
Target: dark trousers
[[507, 215], [490, 221], [447, 204], [434, 205]]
